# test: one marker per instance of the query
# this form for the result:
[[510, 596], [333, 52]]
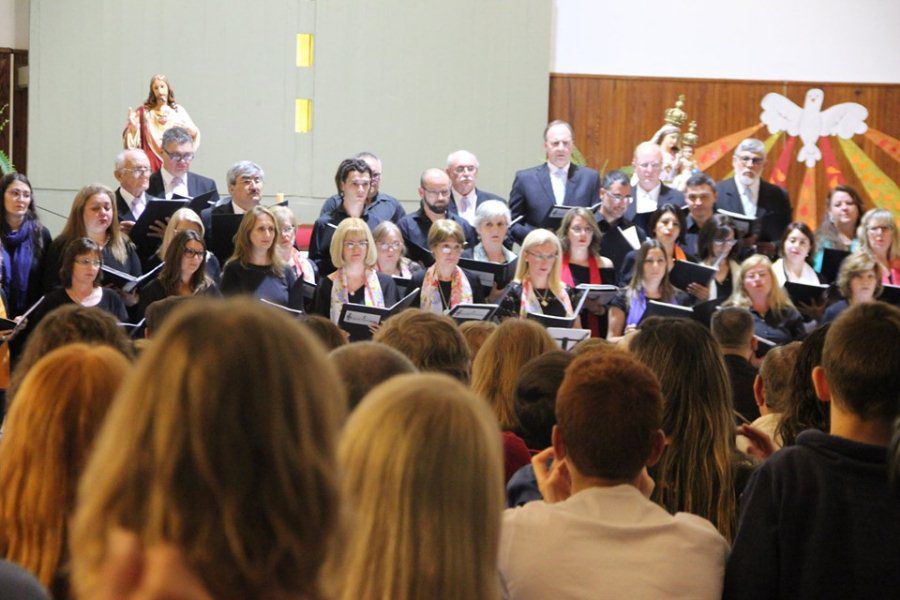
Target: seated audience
[[158, 313], [16, 582], [774, 316], [732, 328], [596, 535], [415, 532], [858, 282], [843, 210], [364, 365], [818, 520], [392, 258], [804, 409], [44, 447], [444, 284], [432, 342], [237, 472], [877, 235], [771, 390], [325, 331], [476, 333], [537, 286], [701, 471]]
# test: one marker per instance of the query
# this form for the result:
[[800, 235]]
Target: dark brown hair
[[432, 342]]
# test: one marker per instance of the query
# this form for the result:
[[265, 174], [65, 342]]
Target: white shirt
[[558, 178], [137, 204], [469, 203], [751, 200], [646, 201], [808, 275], [172, 189], [237, 209], [608, 543]]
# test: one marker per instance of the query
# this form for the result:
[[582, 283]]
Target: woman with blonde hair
[[286, 223], [537, 286], [355, 279], [48, 436], [417, 532], [877, 235], [774, 316], [185, 219], [93, 215], [497, 366], [445, 284], [392, 258], [256, 267], [236, 472]]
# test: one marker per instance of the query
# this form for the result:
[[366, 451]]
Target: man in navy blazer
[[746, 193], [557, 182], [174, 177], [465, 197], [650, 192]]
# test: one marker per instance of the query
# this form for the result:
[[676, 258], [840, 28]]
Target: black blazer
[[532, 196], [196, 185], [773, 208], [667, 195]]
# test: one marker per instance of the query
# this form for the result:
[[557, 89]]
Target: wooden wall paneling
[[611, 115], [20, 120], [5, 99]]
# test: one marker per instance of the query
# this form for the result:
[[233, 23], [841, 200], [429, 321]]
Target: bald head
[[648, 164], [434, 190]]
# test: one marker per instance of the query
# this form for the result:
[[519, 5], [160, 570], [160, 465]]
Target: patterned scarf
[[530, 303], [340, 294], [460, 290]]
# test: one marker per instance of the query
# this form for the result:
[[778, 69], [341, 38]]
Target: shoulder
[[585, 173], [532, 171]]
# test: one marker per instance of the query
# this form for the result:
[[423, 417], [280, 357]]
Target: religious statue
[[668, 137], [686, 165]]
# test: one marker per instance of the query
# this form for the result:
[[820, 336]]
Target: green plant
[[6, 165]]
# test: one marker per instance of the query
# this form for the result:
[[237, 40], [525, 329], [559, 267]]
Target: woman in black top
[[24, 242], [444, 284], [183, 273], [537, 287], [858, 281]]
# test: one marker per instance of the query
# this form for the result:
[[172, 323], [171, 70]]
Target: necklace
[[544, 298]]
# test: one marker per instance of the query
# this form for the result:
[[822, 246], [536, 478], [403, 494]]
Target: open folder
[[157, 209], [556, 214], [355, 319], [128, 282], [490, 274], [472, 312], [805, 293], [562, 322], [685, 273]]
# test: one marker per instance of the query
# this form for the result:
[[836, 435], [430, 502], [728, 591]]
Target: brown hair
[[363, 365], [499, 363], [775, 372], [431, 341], [804, 409], [170, 274], [476, 332], [854, 266], [49, 433], [443, 230], [74, 249], [563, 232], [534, 398], [225, 453], [607, 409], [827, 234], [74, 227], [150, 102], [243, 246], [330, 335], [732, 327], [666, 289]]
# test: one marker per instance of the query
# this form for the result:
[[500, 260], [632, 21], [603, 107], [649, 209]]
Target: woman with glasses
[[392, 258], [717, 247], [444, 284], [666, 225], [579, 237], [287, 228], [650, 281], [24, 242], [877, 235], [80, 276], [537, 287], [183, 273], [356, 280], [256, 267], [185, 219]]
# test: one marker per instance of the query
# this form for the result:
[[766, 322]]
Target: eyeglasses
[[194, 253], [139, 171], [577, 230], [878, 228], [543, 256], [178, 157], [88, 262], [450, 248], [750, 160], [619, 197], [438, 193], [650, 165], [460, 169], [723, 242], [362, 245], [288, 229], [389, 246]]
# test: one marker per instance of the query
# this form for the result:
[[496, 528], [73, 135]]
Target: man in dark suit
[[434, 190], [557, 182], [650, 192], [133, 174], [746, 193], [174, 178], [615, 197], [379, 206], [245, 184], [465, 197]]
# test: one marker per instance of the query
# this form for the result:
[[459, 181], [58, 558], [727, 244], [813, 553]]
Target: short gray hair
[[751, 145], [179, 135], [455, 157], [244, 168], [490, 209], [120, 157]]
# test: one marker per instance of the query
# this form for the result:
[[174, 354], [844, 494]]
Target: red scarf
[[595, 279]]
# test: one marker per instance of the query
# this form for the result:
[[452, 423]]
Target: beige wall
[[14, 24]]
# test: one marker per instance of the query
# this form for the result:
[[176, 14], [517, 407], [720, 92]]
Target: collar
[[553, 168], [237, 209]]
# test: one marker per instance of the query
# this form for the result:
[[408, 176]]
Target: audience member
[[159, 312], [804, 409], [432, 342], [444, 285], [772, 389], [476, 333], [701, 471], [818, 519], [650, 193], [175, 178], [44, 447], [606, 539], [465, 197], [858, 282], [877, 235], [325, 330], [235, 471], [774, 317], [732, 328], [589, 345], [364, 365], [843, 210], [415, 532], [556, 182], [381, 206]]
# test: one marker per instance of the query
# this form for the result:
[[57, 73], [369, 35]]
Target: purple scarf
[[18, 254]]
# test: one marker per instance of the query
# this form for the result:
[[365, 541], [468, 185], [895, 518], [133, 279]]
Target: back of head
[[499, 363], [325, 330], [422, 483], [535, 396], [49, 432], [732, 328], [219, 446], [476, 333], [776, 371], [804, 409], [158, 312], [861, 359], [363, 365], [432, 342], [608, 407]]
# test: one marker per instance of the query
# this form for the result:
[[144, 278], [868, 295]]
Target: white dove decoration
[[811, 122]]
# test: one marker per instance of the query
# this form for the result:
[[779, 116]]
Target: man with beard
[[748, 194], [435, 192], [465, 197], [615, 198]]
